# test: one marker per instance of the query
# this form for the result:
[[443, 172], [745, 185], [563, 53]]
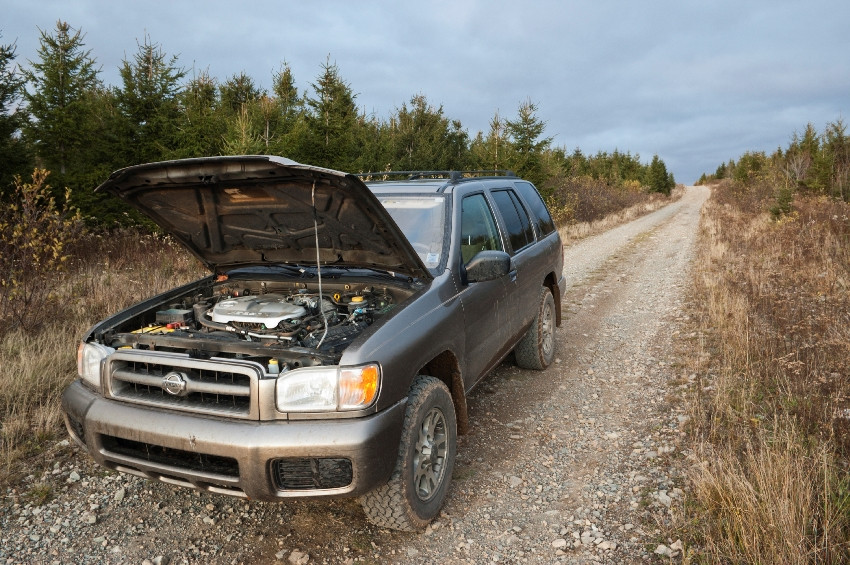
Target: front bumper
[[237, 457]]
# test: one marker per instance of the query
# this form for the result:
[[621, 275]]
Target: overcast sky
[[697, 83]]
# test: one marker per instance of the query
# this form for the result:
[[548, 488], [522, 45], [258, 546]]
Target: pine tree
[[148, 104], [331, 122], [456, 147], [809, 145], [290, 125], [249, 114], [836, 151], [527, 144], [577, 164], [374, 143], [201, 123], [290, 104], [237, 91], [492, 152], [101, 156], [14, 154], [60, 101], [657, 178], [423, 138], [241, 137], [270, 116]]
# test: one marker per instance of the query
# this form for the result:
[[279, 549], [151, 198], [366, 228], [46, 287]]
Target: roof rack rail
[[451, 175]]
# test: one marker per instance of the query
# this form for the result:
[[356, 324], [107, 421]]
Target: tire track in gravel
[[574, 464]]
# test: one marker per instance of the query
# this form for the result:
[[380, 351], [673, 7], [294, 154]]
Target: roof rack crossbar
[[451, 175]]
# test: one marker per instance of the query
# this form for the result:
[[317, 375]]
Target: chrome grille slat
[[192, 385], [137, 378], [224, 387]]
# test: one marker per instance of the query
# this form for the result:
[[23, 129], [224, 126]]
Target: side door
[[525, 264], [485, 310]]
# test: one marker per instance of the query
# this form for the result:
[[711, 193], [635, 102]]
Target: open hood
[[259, 210]]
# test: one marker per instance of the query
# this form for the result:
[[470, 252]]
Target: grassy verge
[[103, 275], [584, 206], [770, 412], [577, 230]]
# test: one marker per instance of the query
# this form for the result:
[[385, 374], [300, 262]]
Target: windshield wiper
[[277, 268], [374, 272]]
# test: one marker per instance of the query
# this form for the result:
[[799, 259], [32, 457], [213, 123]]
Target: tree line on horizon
[[57, 114], [813, 163]]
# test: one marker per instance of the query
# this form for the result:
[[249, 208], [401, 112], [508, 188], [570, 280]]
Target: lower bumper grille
[[178, 458], [310, 473]]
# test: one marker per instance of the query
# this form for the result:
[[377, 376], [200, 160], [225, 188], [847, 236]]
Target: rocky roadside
[[576, 464]]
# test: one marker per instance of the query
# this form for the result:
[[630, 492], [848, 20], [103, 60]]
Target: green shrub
[[34, 235], [784, 199], [586, 199]]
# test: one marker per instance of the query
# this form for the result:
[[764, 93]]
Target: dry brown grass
[[586, 199], [778, 500], [769, 417], [576, 230], [105, 273]]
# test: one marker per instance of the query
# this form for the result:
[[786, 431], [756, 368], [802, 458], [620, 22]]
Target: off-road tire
[[426, 452], [536, 350]]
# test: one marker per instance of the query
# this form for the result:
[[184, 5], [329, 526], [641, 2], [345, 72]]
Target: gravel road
[[575, 464]]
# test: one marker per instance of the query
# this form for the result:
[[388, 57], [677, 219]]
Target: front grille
[[189, 460], [310, 473], [211, 387]]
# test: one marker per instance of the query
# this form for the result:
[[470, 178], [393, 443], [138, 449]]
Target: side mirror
[[488, 265]]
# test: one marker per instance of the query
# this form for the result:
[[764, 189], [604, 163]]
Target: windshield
[[422, 220]]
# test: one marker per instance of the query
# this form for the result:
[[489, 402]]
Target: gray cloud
[[696, 83]]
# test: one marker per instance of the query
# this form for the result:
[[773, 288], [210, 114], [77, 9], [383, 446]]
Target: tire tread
[[387, 505], [528, 352]]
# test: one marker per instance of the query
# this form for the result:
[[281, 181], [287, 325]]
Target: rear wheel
[[536, 350], [417, 488]]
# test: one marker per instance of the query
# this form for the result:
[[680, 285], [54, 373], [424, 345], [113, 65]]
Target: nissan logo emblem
[[174, 383]]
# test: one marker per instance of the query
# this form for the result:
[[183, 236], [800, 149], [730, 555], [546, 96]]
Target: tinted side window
[[520, 232], [478, 230], [545, 225]]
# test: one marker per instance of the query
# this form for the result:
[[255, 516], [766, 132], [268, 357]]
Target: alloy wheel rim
[[548, 330], [429, 458]]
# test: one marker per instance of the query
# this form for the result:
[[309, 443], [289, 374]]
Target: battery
[[174, 316]]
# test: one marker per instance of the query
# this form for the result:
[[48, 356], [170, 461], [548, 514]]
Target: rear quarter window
[[543, 220], [517, 223]]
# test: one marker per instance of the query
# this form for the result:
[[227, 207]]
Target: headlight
[[324, 389], [89, 356]]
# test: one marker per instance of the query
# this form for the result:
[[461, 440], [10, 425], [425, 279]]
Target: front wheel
[[417, 488], [536, 350]]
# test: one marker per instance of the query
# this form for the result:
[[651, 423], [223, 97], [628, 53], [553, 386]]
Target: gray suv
[[331, 348]]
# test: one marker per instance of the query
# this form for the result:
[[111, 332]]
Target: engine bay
[[291, 323]]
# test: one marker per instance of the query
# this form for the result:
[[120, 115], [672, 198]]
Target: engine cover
[[268, 309]]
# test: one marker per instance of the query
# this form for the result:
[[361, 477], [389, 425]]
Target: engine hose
[[207, 323], [287, 336]]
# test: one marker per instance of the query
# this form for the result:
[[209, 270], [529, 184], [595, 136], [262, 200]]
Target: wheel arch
[[446, 367], [551, 282]]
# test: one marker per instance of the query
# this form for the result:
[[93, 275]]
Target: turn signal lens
[[358, 386]]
